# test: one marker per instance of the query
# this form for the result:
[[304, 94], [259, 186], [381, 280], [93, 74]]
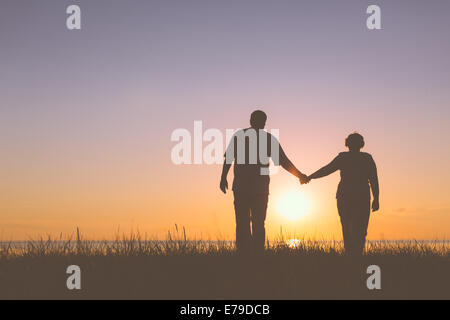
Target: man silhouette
[[250, 150]]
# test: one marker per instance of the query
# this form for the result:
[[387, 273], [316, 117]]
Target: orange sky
[[109, 190]]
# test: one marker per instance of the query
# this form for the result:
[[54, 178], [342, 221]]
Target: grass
[[131, 267]]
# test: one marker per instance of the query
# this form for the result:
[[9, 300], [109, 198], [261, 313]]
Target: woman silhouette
[[358, 170]]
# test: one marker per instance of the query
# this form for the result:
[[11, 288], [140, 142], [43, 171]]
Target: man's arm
[[223, 180], [289, 167], [229, 158]]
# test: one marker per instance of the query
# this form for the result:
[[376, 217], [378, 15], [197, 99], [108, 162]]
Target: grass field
[[134, 268]]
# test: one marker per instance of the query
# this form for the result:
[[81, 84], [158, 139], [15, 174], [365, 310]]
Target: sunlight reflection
[[293, 243]]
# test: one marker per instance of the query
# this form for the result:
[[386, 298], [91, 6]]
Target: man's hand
[[223, 185], [375, 205], [304, 179]]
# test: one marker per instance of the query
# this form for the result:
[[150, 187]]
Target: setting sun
[[293, 205]]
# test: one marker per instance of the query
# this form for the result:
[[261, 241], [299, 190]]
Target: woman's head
[[354, 142]]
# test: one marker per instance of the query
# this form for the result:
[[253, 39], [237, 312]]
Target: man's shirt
[[250, 150]]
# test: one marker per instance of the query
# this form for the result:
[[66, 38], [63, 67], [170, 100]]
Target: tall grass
[[177, 243], [179, 267]]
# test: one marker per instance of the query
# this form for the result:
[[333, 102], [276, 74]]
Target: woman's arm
[[327, 170], [373, 179]]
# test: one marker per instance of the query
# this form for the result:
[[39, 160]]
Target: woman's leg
[[361, 227], [346, 224], [354, 213]]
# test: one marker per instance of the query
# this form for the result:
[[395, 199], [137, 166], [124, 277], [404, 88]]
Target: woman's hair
[[354, 141]]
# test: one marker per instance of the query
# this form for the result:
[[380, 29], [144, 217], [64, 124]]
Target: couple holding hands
[[251, 190]]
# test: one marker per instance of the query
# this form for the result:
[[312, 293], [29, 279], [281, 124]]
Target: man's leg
[[258, 216], [242, 211]]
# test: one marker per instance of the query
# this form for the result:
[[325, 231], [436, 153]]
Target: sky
[[86, 115]]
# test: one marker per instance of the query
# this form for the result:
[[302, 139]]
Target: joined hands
[[304, 179]]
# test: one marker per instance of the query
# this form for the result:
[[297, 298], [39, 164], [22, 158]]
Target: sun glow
[[293, 205]]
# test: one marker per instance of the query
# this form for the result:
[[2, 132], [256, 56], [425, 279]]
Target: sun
[[293, 205]]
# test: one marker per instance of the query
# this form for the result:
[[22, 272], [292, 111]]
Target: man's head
[[258, 119], [354, 142]]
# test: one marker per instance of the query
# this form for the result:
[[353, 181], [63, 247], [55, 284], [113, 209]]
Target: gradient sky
[[86, 116]]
